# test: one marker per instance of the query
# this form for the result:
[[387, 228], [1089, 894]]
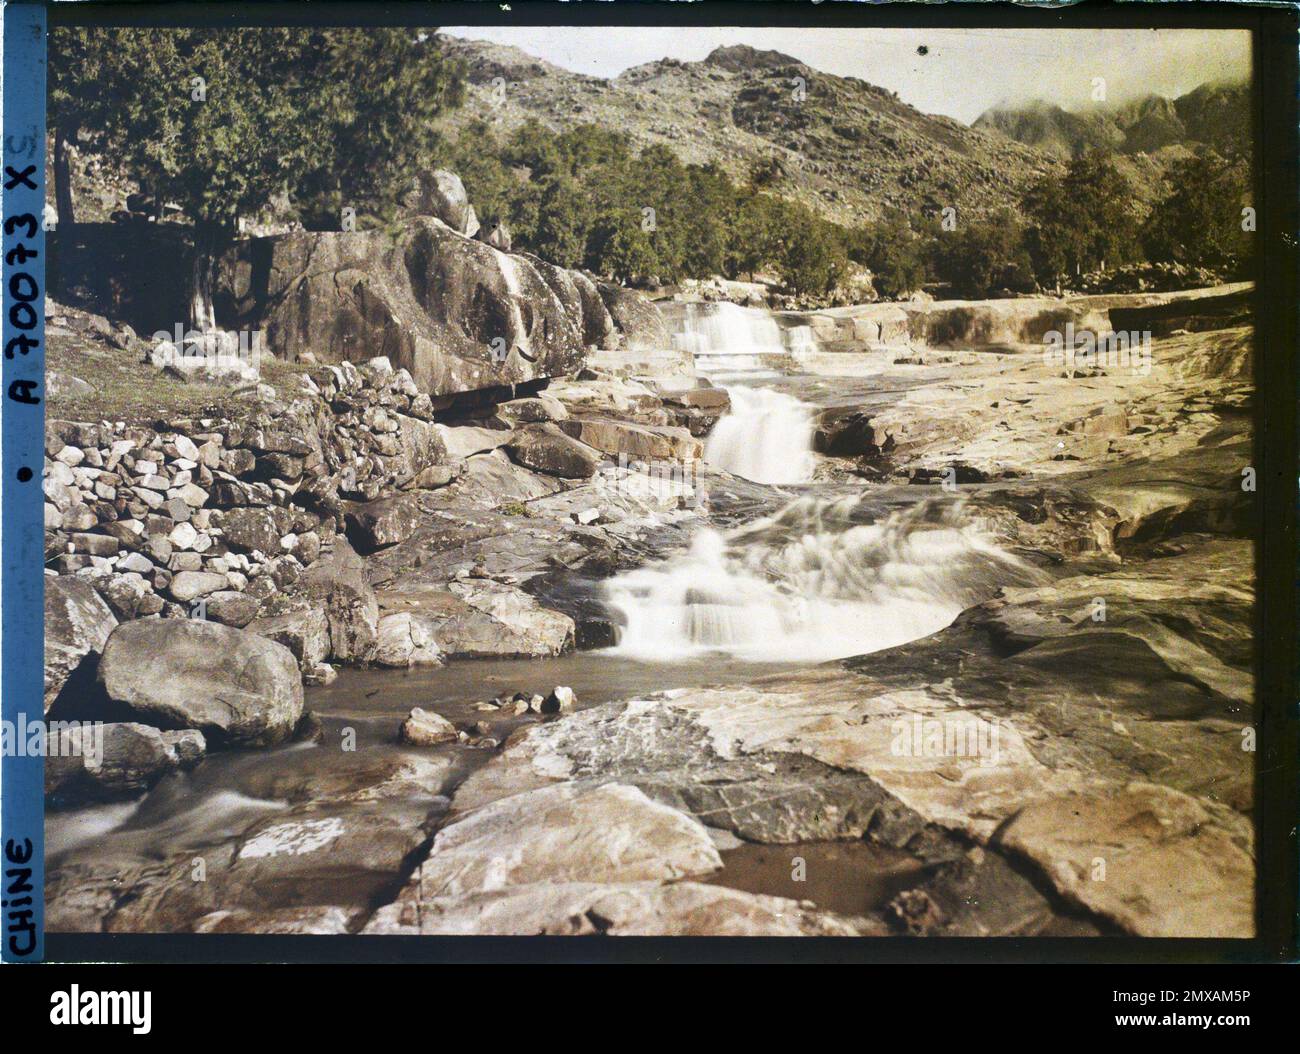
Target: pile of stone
[[376, 430], [210, 518]]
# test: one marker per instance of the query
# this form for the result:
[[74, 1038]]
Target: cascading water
[[766, 437], [728, 329], [812, 583]]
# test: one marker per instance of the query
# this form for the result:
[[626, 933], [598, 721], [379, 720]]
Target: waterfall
[[766, 437], [812, 583], [726, 329]]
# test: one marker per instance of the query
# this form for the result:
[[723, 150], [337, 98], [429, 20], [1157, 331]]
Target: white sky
[[965, 72]]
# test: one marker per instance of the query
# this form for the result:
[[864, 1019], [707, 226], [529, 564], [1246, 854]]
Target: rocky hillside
[[847, 148], [1212, 115]]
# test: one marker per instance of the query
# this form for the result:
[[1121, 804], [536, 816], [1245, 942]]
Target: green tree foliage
[[1082, 221], [226, 121], [982, 257], [1199, 221], [580, 198], [896, 253]]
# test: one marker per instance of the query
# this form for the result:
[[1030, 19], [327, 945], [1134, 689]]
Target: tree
[[1085, 219], [224, 122], [1198, 222], [983, 256], [895, 253]]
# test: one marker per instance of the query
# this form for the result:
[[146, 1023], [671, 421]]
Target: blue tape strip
[[22, 427]]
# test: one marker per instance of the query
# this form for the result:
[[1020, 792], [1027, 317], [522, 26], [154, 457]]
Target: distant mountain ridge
[[1214, 115], [848, 149]]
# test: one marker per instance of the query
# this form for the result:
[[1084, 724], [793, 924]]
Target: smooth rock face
[[77, 623], [637, 318], [455, 312], [483, 619], [441, 193], [567, 833], [620, 437], [309, 920], [406, 640], [628, 909], [305, 867], [237, 687], [1149, 858]]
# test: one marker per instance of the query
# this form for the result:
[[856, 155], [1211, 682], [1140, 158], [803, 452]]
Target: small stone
[[560, 700], [135, 562], [183, 536], [425, 729], [189, 585]]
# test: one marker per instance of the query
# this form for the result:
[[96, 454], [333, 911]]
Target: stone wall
[[215, 517]]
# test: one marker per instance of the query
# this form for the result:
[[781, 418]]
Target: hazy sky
[[964, 72]]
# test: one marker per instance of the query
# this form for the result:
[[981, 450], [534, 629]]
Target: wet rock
[[314, 919], [425, 729], [77, 624], [559, 700], [236, 687]]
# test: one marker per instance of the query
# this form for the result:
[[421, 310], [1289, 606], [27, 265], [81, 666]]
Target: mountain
[[1214, 115], [847, 148]]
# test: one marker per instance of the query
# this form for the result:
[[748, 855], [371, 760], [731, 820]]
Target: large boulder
[[375, 524], [101, 762], [664, 442], [237, 687], [456, 313], [567, 833], [77, 623], [304, 631], [544, 448], [626, 909], [351, 607], [637, 318], [441, 193], [582, 300], [406, 640]]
